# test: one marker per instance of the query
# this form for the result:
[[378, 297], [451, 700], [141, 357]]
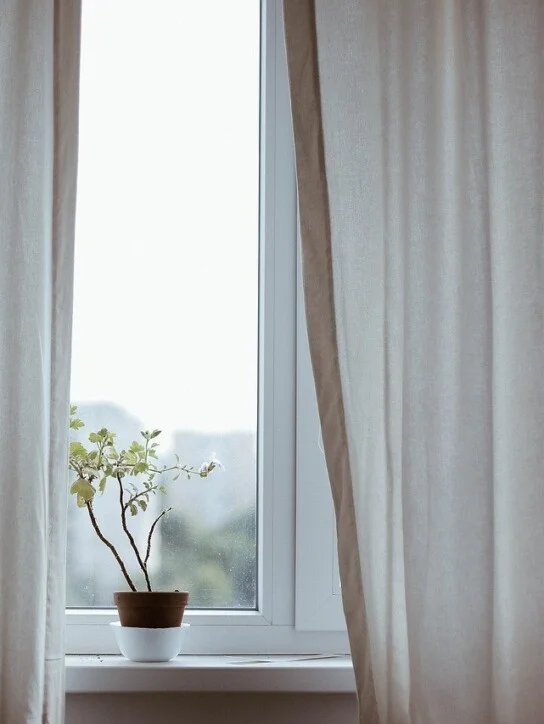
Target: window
[[166, 287], [164, 231]]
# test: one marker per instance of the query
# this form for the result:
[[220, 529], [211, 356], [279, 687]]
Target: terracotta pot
[[154, 609]]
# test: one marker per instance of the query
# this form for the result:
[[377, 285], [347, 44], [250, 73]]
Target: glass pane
[[166, 286]]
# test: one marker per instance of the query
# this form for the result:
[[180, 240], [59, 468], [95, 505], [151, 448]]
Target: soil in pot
[[151, 609]]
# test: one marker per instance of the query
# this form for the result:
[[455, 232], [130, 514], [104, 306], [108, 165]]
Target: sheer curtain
[[419, 133], [39, 66]]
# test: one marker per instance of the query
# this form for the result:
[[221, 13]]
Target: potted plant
[[137, 477]]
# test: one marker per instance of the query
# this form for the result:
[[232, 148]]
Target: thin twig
[[129, 534], [152, 530], [184, 469], [109, 545], [139, 495], [187, 469]]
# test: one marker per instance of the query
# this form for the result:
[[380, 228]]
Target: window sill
[[114, 674]]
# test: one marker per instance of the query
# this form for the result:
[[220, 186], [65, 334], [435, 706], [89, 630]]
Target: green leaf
[[76, 424], [102, 484], [78, 450], [155, 433], [142, 504], [83, 489], [133, 509], [81, 503], [73, 410], [139, 468], [94, 437], [93, 455]]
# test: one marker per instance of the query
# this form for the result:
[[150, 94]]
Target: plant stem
[[152, 530], [139, 495], [180, 468], [158, 471], [109, 545], [142, 565]]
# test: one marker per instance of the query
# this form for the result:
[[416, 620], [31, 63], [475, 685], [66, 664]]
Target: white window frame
[[278, 626]]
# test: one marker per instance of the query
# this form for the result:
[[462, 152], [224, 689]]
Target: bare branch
[[152, 530], [129, 534], [109, 545]]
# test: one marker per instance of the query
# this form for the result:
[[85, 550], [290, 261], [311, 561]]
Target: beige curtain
[[39, 66], [419, 134]]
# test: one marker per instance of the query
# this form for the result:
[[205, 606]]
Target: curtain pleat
[[419, 143], [39, 69], [319, 295]]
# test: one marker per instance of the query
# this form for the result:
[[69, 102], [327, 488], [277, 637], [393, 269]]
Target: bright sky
[[165, 312]]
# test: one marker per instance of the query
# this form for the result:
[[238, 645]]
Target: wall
[[208, 708]]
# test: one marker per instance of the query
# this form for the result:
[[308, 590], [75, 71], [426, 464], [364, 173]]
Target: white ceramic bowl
[[149, 644]]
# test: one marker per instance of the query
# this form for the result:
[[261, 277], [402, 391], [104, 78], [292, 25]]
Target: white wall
[[208, 708]]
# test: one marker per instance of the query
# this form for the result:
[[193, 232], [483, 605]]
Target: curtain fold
[[39, 69], [419, 130]]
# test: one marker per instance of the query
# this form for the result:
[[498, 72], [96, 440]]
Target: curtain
[[419, 135], [39, 66]]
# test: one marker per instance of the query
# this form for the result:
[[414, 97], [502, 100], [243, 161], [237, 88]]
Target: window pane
[[165, 310]]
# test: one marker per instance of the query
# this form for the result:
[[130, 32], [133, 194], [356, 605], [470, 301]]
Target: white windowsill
[[114, 674]]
